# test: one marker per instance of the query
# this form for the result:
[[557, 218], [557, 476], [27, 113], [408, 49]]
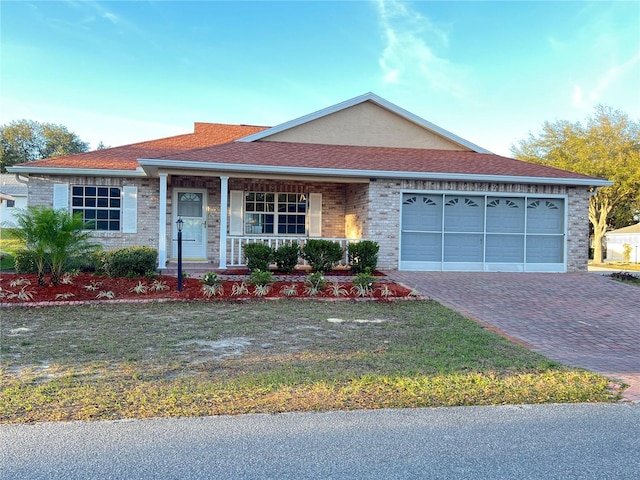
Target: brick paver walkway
[[584, 320]]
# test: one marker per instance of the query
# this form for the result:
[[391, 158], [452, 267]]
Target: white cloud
[[603, 83], [578, 97], [410, 55], [113, 18]]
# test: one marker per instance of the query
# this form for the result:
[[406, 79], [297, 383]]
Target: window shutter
[[60, 196], [129, 209], [236, 200], [315, 214]]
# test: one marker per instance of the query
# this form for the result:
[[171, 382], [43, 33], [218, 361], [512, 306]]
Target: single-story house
[[617, 239], [362, 169], [13, 195]]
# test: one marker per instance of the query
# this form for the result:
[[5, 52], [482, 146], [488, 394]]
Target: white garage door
[[482, 233]]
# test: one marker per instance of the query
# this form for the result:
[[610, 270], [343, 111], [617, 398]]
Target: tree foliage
[[24, 141], [606, 146]]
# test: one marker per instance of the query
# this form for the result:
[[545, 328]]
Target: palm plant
[[55, 237]]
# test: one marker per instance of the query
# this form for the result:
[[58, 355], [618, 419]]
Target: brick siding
[[370, 211], [41, 193]]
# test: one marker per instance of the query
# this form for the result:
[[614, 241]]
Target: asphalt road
[[585, 441]]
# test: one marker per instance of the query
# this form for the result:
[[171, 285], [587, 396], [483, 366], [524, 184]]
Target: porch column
[[224, 198], [162, 223]]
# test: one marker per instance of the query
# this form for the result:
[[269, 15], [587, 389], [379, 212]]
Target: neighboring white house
[[13, 195], [617, 239]]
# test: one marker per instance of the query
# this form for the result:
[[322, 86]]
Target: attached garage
[[473, 232]]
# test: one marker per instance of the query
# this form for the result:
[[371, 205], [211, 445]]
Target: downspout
[[24, 181]]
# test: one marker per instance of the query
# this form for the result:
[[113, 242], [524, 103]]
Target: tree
[[608, 146], [24, 141], [54, 236]]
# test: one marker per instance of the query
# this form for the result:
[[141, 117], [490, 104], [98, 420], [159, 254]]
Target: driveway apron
[[579, 319]]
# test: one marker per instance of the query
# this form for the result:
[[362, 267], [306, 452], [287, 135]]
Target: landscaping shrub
[[26, 261], [210, 278], [364, 279], [315, 283], [88, 263], [99, 260], [259, 277], [322, 255], [363, 255], [287, 257], [258, 256], [130, 261]]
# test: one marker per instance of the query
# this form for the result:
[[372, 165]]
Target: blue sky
[[490, 72]]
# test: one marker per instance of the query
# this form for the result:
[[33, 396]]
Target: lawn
[[114, 361], [8, 245]]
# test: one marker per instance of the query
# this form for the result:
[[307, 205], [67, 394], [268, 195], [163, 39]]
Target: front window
[[275, 213], [99, 206]]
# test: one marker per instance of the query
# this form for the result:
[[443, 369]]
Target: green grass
[[170, 359], [618, 265], [8, 244]]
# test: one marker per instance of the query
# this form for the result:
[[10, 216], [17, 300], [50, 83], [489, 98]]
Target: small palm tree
[[55, 237]]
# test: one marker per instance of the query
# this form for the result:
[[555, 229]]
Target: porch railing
[[235, 246]]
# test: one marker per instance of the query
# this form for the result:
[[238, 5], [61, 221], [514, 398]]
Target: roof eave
[[372, 97], [151, 166], [28, 170]]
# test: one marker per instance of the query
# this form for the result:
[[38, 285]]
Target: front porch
[[235, 255], [270, 211]]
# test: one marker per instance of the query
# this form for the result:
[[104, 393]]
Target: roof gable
[[367, 120]]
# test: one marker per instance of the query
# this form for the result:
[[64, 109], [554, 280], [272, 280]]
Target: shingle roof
[[213, 143], [125, 157], [10, 186], [282, 154]]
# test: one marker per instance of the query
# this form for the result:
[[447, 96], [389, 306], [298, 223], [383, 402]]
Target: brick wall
[[383, 220], [578, 229], [41, 193], [370, 211], [356, 211]]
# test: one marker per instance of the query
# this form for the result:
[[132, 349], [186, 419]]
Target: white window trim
[[276, 215], [63, 195]]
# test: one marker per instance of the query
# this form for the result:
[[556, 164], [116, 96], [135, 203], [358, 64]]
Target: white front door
[[190, 205]]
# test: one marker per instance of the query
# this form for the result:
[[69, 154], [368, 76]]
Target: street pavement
[[582, 441]]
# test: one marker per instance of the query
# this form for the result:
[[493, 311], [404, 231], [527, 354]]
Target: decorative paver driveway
[[580, 319]]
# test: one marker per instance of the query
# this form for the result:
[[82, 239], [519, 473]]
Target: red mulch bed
[[122, 288]]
